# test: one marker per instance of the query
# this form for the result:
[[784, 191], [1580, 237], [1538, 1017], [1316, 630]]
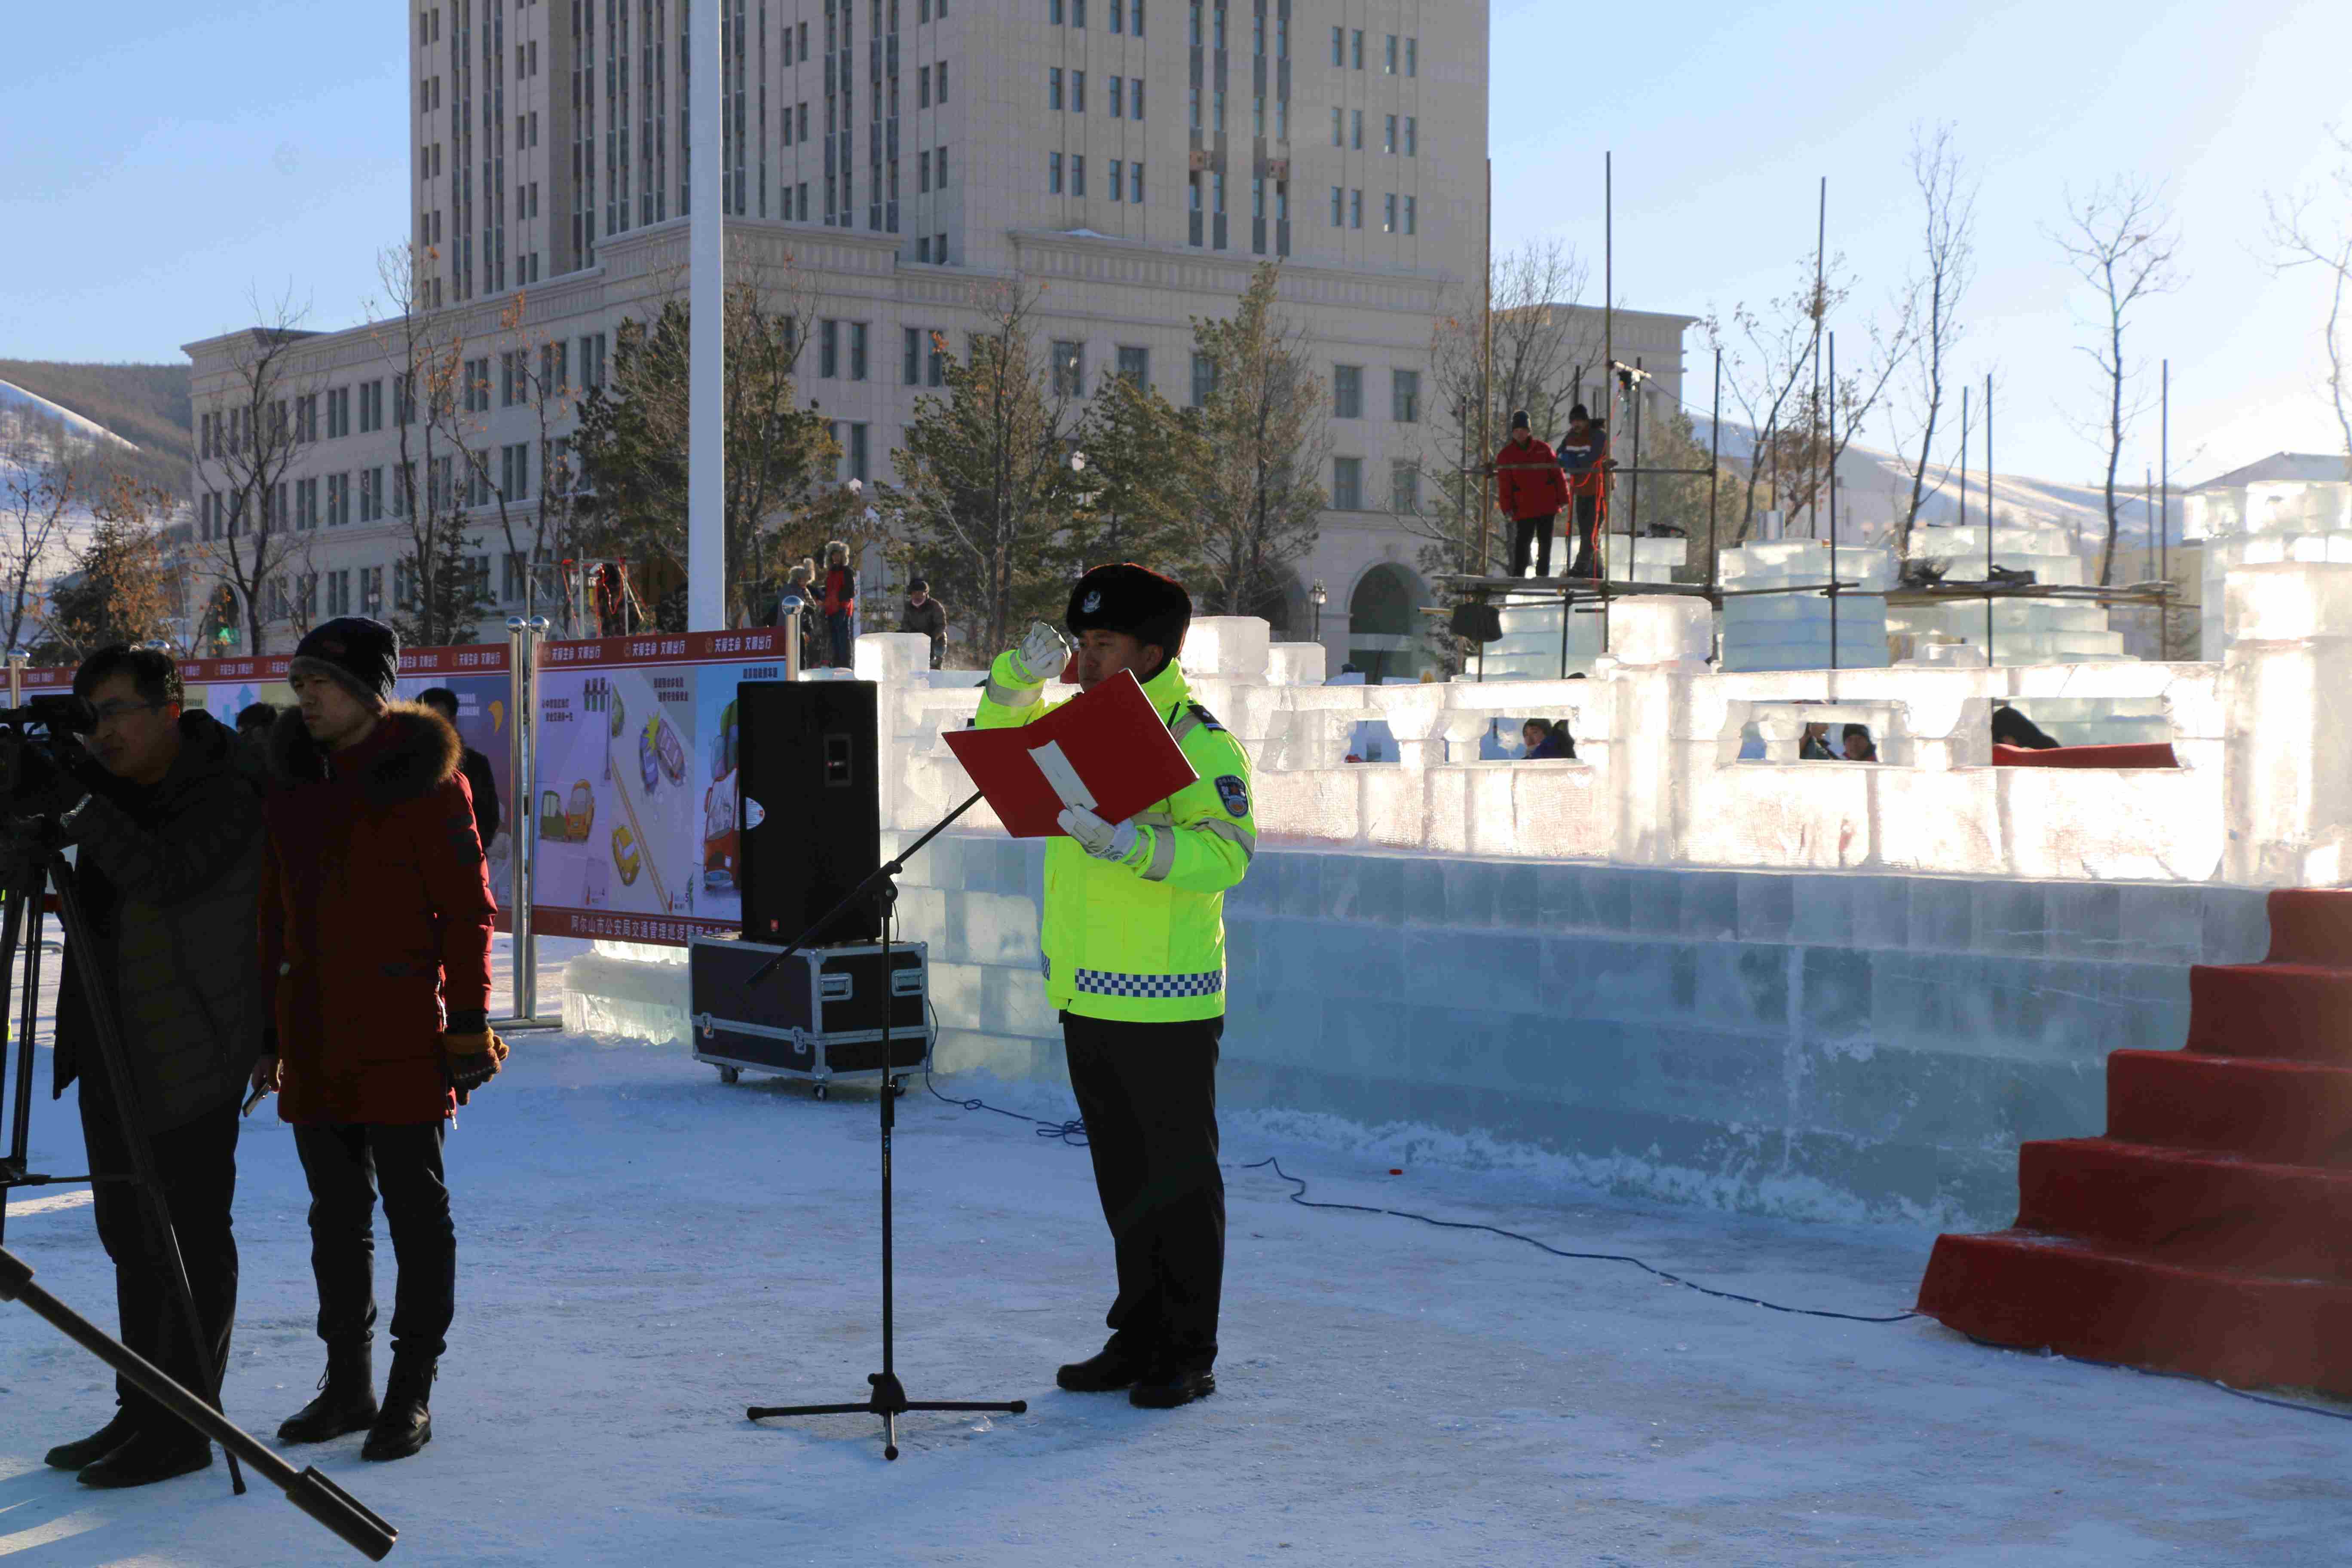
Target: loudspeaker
[[810, 806]]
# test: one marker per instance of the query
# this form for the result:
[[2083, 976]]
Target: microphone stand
[[889, 1399]]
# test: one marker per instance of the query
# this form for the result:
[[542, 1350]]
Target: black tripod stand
[[889, 1399], [32, 860]]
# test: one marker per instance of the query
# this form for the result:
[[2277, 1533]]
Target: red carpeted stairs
[[2211, 1230]]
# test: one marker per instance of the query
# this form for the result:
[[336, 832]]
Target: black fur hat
[[1135, 600], [362, 654]]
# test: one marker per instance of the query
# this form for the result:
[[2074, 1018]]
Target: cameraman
[[170, 842]]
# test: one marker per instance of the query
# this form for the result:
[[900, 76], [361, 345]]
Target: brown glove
[[472, 1061]]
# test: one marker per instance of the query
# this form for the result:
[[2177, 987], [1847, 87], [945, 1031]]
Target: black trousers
[[1149, 1094], [1584, 522], [347, 1165], [197, 1166], [1538, 530]]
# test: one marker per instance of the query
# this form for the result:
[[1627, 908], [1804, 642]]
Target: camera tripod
[[889, 1399], [29, 860]]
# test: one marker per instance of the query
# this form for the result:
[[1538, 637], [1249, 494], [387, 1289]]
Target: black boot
[[406, 1423], [153, 1456], [96, 1446], [1166, 1387], [346, 1401], [1115, 1366]]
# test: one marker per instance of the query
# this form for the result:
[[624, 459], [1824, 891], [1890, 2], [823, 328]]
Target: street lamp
[[1317, 596]]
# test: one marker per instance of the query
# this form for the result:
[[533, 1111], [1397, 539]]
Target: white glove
[[1041, 655], [1098, 839]]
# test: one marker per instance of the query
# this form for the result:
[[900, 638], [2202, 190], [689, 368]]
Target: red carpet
[[2211, 1230], [2140, 754]]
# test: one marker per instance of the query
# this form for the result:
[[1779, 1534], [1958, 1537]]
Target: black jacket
[[485, 785], [170, 879], [929, 618]]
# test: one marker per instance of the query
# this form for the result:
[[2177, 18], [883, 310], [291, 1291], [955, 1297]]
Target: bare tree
[[1546, 351], [433, 395], [123, 587], [2120, 241], [41, 486], [263, 434], [1947, 265], [2298, 239], [1766, 354], [1267, 429]]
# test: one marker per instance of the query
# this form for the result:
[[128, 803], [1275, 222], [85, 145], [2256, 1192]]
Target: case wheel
[[821, 1093], [729, 1075]]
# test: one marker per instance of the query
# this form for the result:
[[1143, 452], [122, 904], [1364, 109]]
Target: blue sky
[[178, 160]]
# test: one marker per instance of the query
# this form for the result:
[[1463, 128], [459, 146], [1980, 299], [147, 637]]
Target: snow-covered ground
[[645, 1251]]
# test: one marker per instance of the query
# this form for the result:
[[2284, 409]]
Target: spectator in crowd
[[476, 767], [1859, 747], [925, 615], [1547, 740], [840, 603], [167, 825], [374, 960], [1814, 745], [2011, 728], [1530, 490], [255, 718], [1584, 460]]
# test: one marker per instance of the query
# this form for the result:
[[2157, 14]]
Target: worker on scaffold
[[1584, 459], [1134, 942]]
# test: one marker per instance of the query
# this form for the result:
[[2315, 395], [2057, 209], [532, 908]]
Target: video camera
[[42, 724]]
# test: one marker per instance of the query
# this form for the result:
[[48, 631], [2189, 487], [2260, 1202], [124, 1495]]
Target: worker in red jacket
[[1584, 456], [1531, 490], [375, 964]]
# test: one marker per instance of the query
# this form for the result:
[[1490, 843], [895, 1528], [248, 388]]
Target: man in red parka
[[375, 962], [1531, 490]]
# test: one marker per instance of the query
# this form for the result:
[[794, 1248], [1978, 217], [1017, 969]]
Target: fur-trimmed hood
[[412, 752]]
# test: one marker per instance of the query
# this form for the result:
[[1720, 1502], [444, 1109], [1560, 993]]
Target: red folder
[[1105, 748]]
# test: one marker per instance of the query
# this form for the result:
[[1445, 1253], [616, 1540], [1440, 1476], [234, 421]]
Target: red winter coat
[[375, 919], [1527, 481]]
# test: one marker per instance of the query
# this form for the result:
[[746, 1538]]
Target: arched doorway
[[1384, 630]]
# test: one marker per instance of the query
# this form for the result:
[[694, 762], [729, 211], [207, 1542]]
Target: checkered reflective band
[[1104, 983]]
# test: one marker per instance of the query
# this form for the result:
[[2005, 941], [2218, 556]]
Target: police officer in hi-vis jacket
[[1134, 944]]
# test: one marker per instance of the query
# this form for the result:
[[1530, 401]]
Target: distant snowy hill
[[1875, 490], [15, 398]]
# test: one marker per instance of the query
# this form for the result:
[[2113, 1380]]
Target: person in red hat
[[375, 966], [1531, 490]]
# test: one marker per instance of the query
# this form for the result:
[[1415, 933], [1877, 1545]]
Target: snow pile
[[16, 399]]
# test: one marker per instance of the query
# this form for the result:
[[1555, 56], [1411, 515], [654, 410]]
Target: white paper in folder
[[1062, 775]]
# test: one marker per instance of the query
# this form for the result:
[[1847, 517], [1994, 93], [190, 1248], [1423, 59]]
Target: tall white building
[[902, 160]]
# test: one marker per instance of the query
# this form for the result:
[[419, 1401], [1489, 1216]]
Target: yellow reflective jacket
[[1143, 939]]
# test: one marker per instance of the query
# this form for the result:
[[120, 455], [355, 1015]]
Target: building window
[[1388, 136], [1077, 174], [1069, 369], [1355, 209], [1356, 130], [1117, 183], [828, 348], [1388, 213], [910, 352], [1117, 98], [1054, 88], [1338, 207], [1135, 181], [1205, 380], [1053, 13], [857, 351], [1078, 92], [1052, 173], [1409, 226], [1348, 391], [1413, 57], [1389, 65], [1404, 486], [1116, 8], [1338, 43], [858, 451], [1339, 127], [1411, 136], [1356, 50], [1135, 365], [1078, 13], [1347, 484], [1405, 396], [943, 81]]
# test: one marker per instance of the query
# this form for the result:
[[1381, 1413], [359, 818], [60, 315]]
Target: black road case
[[819, 1017]]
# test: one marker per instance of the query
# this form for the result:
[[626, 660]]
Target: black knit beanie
[[361, 654]]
